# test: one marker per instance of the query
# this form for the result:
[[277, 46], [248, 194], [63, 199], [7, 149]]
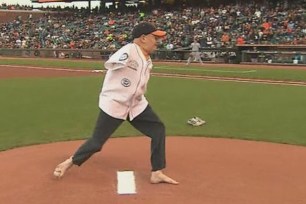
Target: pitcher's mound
[[214, 171]]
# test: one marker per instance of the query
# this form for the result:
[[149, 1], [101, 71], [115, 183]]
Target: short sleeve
[[119, 59]]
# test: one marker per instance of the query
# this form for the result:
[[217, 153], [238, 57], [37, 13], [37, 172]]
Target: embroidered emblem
[[123, 57], [133, 64], [138, 98], [125, 82]]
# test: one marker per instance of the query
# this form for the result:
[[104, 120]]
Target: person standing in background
[[195, 52]]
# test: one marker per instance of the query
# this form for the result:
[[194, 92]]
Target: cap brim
[[159, 33]]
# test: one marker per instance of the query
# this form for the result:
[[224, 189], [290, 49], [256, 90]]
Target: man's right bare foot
[[160, 177], [62, 168]]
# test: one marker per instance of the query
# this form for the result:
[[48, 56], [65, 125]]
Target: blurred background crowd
[[221, 26]]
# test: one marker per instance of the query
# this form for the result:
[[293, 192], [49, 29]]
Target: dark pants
[[147, 122]]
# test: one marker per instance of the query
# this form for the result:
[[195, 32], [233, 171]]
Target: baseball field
[[251, 149]]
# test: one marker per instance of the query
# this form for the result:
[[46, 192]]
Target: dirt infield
[[26, 72], [212, 171]]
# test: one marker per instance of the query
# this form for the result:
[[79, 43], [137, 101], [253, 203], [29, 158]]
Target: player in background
[[195, 52]]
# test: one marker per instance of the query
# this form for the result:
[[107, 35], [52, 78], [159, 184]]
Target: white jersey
[[125, 82], [195, 47]]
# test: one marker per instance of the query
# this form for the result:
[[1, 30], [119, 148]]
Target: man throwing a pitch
[[122, 99]]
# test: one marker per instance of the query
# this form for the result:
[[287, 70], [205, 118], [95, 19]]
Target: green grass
[[77, 64], [238, 72], [35, 111], [45, 110], [234, 110]]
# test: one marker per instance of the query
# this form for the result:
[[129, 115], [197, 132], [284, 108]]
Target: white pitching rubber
[[126, 182]]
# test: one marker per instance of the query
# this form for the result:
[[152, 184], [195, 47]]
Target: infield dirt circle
[[210, 171]]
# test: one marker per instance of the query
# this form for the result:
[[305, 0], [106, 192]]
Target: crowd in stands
[[5, 6], [223, 26]]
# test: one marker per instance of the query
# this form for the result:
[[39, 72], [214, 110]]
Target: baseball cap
[[146, 28]]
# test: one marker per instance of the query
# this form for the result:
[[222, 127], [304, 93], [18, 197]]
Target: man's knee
[[161, 130], [95, 145]]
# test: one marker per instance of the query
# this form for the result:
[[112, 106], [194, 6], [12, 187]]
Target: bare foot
[[62, 168], [160, 177]]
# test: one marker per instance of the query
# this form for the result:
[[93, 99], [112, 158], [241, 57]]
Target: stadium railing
[[247, 54], [273, 54], [217, 55]]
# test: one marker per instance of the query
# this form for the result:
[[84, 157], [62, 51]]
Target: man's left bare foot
[[61, 169], [160, 177]]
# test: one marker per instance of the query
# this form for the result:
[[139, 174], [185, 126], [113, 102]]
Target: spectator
[[240, 40], [259, 23]]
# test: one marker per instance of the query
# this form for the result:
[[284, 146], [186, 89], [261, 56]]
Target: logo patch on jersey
[[125, 82], [133, 64], [123, 57], [138, 98]]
